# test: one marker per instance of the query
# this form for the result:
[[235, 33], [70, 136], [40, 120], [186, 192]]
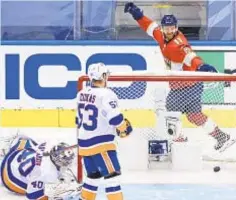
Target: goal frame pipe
[[161, 78], [153, 78]]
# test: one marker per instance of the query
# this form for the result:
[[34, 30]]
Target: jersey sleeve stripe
[[22, 144], [115, 121], [151, 28], [188, 58], [35, 195]]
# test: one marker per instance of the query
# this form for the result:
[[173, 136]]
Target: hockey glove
[[124, 129], [134, 10], [207, 68], [63, 191]]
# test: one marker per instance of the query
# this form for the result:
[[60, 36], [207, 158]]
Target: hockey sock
[[208, 124], [89, 189], [218, 134], [113, 189], [114, 193], [213, 130]]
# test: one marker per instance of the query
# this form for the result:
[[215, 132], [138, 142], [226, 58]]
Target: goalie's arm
[[36, 189]]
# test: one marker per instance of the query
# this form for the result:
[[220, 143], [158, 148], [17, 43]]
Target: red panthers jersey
[[177, 53]]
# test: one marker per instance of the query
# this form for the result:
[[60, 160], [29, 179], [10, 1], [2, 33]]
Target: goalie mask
[[61, 156]]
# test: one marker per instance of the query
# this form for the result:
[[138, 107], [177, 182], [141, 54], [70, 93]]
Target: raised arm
[[148, 25]]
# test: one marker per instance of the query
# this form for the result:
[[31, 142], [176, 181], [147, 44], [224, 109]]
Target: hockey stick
[[219, 162], [210, 159], [74, 176]]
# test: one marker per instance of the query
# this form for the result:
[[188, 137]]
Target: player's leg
[[110, 170], [174, 101], [92, 180], [197, 117]]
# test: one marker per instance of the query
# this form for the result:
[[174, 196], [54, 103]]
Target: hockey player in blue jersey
[[25, 170]]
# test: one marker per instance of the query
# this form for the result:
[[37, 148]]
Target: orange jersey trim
[[11, 185]]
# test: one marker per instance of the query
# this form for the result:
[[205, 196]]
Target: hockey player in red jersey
[[184, 96]]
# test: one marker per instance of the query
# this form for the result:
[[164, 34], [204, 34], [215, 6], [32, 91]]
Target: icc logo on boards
[[72, 63]]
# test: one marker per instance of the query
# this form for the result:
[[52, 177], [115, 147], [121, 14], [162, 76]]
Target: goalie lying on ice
[[25, 171]]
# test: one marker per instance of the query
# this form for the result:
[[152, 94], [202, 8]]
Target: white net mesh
[[202, 111]]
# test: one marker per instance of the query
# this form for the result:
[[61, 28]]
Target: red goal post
[[161, 82]]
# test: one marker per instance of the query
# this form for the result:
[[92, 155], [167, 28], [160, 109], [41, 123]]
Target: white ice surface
[[169, 185], [159, 184]]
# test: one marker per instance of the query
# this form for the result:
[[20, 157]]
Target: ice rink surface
[[159, 184], [164, 192], [169, 185]]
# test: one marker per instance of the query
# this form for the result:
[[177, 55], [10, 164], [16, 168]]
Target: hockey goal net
[[145, 99]]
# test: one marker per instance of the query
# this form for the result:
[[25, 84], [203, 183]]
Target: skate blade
[[227, 145]]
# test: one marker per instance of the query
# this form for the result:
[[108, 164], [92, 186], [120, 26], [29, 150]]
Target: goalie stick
[[74, 176]]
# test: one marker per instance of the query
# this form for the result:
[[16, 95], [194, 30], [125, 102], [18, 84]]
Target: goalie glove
[[124, 129], [63, 191], [66, 188]]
